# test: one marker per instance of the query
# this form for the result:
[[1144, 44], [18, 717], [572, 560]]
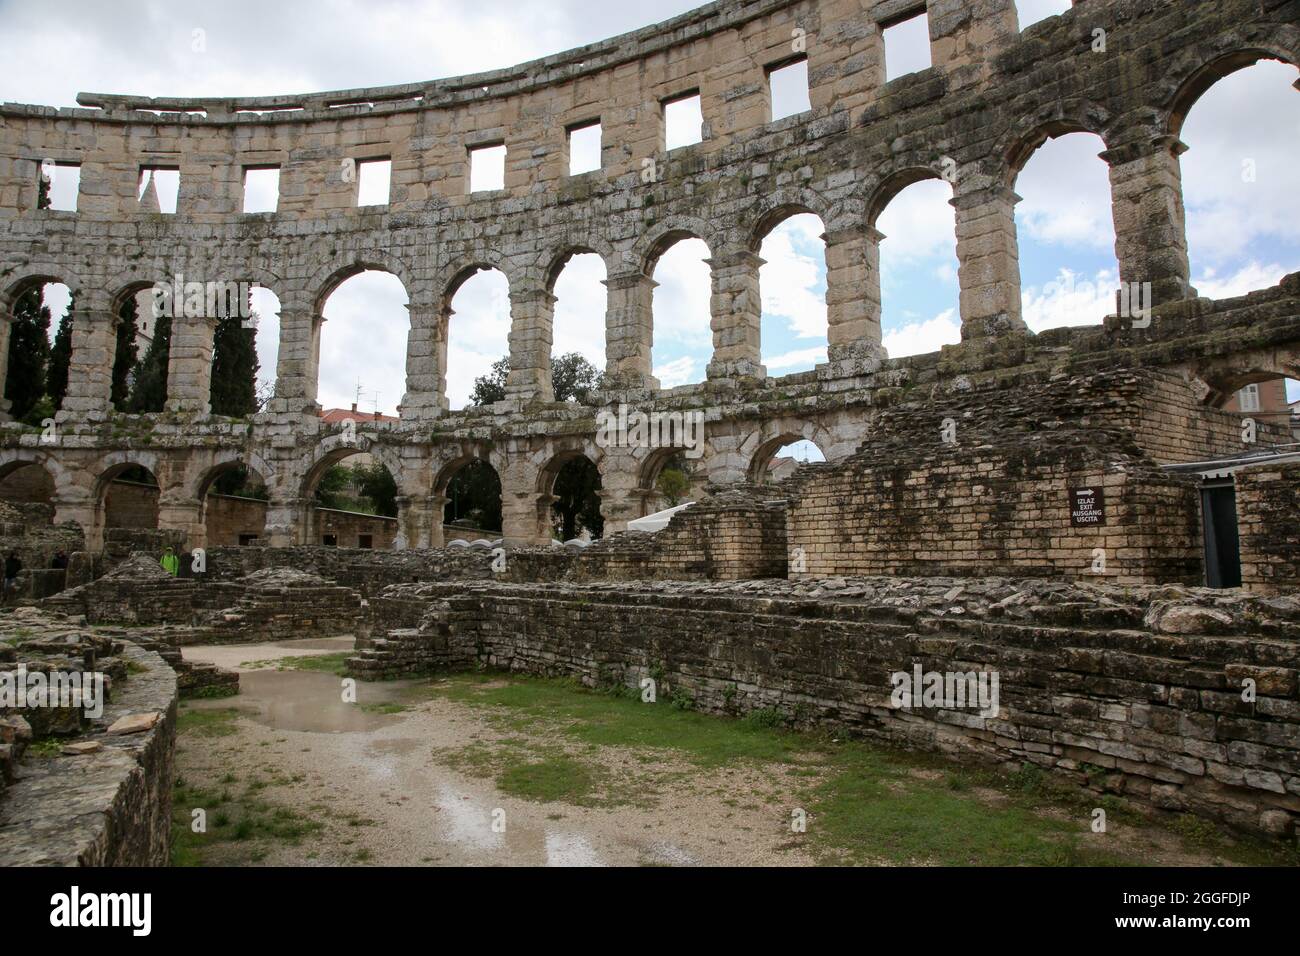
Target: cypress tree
[[234, 368], [56, 375], [29, 353], [149, 388], [124, 358]]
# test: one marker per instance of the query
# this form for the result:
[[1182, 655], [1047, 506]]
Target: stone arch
[[563, 453], [251, 461], [335, 448], [1222, 377], [464, 269], [348, 264], [884, 192], [1207, 74], [463, 454], [1027, 137], [781, 206], [34, 277], [761, 445], [552, 264], [651, 247]]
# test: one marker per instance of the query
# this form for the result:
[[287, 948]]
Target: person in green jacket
[[171, 564]]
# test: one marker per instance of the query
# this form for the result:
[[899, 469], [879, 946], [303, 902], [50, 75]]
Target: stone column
[[532, 313], [853, 295], [189, 366], [618, 506], [186, 516], [298, 363], [285, 519], [988, 258], [426, 358], [417, 516], [521, 512], [82, 511], [736, 310], [1150, 223], [437, 508], [6, 323], [629, 329], [90, 370]]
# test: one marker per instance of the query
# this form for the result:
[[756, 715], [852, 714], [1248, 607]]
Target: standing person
[[60, 562], [170, 563], [12, 567]]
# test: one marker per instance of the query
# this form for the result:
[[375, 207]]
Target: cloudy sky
[[1243, 207]]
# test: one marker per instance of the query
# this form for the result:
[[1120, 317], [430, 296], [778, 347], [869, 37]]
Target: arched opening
[[578, 331], [683, 337], [266, 322], [129, 493], [777, 458], [1066, 234], [478, 338], [234, 502], [571, 491], [1242, 207], [792, 282], [472, 488], [141, 353], [40, 347], [669, 479], [41, 549], [27, 491], [919, 307], [353, 499], [362, 348]]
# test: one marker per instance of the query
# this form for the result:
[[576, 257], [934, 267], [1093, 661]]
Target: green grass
[[207, 723], [321, 663], [865, 803], [239, 829]]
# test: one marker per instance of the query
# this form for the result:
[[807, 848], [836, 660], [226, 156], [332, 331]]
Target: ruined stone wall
[[1127, 691], [990, 98], [349, 529], [1268, 527]]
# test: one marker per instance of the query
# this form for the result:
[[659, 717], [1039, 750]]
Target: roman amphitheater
[[1082, 510]]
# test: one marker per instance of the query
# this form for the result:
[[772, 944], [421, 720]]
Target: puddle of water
[[309, 701]]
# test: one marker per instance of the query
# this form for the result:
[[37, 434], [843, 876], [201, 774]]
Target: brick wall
[[1268, 527]]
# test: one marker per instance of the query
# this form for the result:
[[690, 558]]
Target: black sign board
[[1087, 507]]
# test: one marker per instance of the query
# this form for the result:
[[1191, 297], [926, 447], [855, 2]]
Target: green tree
[[124, 356], [377, 485], [474, 495], [572, 379], [56, 373], [149, 388], [331, 487], [29, 353], [673, 484], [577, 500], [234, 368]]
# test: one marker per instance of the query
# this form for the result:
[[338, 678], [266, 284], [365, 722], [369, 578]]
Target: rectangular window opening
[[907, 44], [683, 121], [1248, 399], [584, 148], [787, 88], [261, 188], [59, 185], [373, 178], [161, 184], [487, 168]]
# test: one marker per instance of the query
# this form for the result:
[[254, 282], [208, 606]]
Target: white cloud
[[918, 224], [1070, 299], [793, 278], [580, 309], [679, 371], [1065, 190], [681, 302], [803, 358], [478, 332], [1248, 278], [921, 337], [363, 344]]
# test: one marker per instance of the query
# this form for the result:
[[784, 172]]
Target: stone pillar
[[521, 513], [426, 362], [184, 515], [299, 361], [629, 329], [1150, 223], [988, 259], [437, 508], [285, 519], [6, 323], [417, 517], [90, 370], [532, 313], [189, 366], [853, 295], [618, 506], [83, 511], [736, 309]]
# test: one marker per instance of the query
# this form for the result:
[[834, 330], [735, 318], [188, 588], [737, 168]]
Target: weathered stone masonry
[[993, 95]]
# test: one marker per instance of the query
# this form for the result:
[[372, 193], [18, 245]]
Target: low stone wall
[[108, 807], [1133, 691], [1268, 527]]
